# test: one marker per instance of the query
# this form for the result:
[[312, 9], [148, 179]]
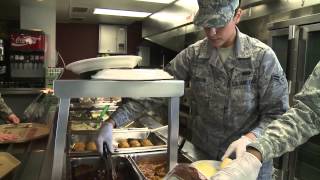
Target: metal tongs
[[108, 161]]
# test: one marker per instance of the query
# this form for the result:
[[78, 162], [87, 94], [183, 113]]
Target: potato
[[91, 146], [146, 142], [123, 144], [134, 143], [79, 146]]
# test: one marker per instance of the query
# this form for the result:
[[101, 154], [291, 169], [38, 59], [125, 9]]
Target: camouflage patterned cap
[[215, 13]]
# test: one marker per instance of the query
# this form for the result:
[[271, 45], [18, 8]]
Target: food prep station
[[66, 139], [82, 125]]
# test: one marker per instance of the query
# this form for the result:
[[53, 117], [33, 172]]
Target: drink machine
[[26, 58]]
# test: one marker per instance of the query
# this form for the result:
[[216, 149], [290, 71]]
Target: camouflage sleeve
[[272, 89], [135, 108], [5, 111], [179, 67], [296, 126]]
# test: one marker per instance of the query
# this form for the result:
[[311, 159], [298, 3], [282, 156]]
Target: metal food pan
[[95, 168], [79, 106], [83, 126], [151, 159], [81, 150], [87, 115], [158, 142]]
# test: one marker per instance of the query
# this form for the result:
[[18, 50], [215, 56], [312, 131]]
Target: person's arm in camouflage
[[5, 111], [134, 108], [296, 126], [273, 91], [293, 128]]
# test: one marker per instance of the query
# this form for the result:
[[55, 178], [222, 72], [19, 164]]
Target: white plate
[[92, 64], [132, 74]]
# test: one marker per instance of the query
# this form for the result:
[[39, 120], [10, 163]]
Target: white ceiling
[[9, 10]]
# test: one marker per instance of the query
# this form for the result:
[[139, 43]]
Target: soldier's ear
[[237, 16]]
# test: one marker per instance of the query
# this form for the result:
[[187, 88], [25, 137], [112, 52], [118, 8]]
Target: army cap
[[215, 13]]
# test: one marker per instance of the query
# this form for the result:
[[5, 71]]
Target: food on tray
[[134, 143], [79, 146], [83, 126], [206, 168], [91, 146], [146, 142], [84, 146], [123, 144], [153, 170], [225, 162]]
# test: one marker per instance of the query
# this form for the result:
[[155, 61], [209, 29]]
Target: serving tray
[[7, 163], [24, 131]]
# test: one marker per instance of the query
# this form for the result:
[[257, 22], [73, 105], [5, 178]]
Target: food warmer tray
[[82, 145], [155, 161], [83, 168], [24, 131], [91, 126], [159, 143]]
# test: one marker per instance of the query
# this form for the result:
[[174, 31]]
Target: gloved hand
[[105, 135], [239, 146], [245, 167], [13, 119]]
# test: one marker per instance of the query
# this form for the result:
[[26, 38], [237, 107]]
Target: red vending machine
[[26, 58]]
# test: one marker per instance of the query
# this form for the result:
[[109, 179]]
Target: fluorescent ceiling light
[[158, 1], [113, 12]]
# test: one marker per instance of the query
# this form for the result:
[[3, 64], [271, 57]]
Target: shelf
[[102, 88]]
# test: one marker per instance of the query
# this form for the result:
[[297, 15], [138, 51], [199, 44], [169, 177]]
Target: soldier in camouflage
[[294, 128], [7, 115], [237, 86]]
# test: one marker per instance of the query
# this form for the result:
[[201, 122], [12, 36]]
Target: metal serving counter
[[67, 89]]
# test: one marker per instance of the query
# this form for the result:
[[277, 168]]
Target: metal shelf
[[67, 89]]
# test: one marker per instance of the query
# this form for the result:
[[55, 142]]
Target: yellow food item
[[79, 146], [225, 162], [207, 169], [91, 146], [134, 143], [123, 144], [146, 142]]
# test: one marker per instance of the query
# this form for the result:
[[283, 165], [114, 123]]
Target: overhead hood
[[172, 26]]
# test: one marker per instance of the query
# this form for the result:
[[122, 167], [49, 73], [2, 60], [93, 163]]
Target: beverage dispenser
[[27, 55]]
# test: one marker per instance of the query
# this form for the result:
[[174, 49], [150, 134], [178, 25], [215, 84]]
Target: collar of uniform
[[205, 49], [242, 45]]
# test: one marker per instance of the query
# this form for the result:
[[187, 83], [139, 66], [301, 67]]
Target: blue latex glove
[[105, 135]]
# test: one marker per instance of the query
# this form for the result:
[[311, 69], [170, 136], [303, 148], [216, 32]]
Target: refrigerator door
[[309, 54], [284, 42], [308, 155]]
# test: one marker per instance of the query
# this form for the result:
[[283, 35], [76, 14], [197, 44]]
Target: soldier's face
[[223, 36]]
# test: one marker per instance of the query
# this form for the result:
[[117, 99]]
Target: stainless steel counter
[[11, 91]]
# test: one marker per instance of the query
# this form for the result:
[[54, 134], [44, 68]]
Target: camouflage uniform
[[215, 13], [297, 125], [5, 111], [228, 99]]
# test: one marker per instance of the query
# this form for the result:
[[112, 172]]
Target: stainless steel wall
[[174, 23]]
